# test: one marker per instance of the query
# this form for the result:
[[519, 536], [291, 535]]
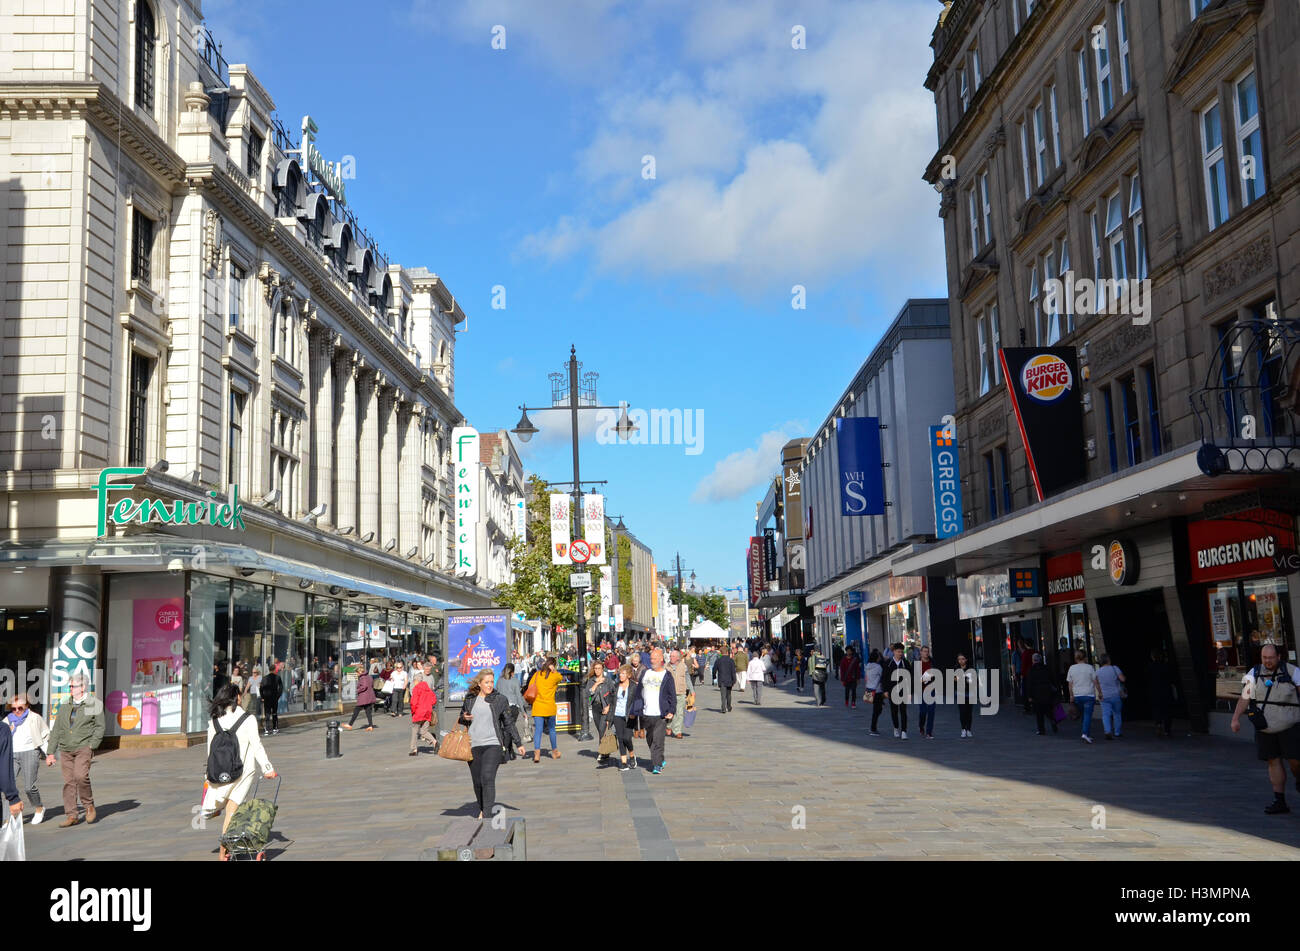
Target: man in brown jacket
[[681, 680]]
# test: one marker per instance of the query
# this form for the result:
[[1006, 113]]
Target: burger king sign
[[1046, 378], [1043, 383]]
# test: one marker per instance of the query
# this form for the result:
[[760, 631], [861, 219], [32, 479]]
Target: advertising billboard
[[476, 640]]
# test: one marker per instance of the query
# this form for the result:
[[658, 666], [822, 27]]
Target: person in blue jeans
[[1082, 681], [1110, 678]]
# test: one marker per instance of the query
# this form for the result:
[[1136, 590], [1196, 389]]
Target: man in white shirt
[[658, 706], [1082, 680], [1272, 685]]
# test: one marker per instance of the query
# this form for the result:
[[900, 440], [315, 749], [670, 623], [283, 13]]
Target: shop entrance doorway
[[1132, 625], [24, 635]]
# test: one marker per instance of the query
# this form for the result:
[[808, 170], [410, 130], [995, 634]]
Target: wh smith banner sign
[[946, 480], [862, 479], [1044, 387]]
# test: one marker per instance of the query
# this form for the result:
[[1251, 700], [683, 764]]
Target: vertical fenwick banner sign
[[944, 474], [757, 581], [1044, 387], [593, 526], [862, 477], [560, 528], [465, 463]]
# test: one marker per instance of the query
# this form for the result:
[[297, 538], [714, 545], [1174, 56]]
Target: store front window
[[1246, 615], [903, 624], [24, 635], [1073, 633], [288, 646], [248, 624], [322, 683]]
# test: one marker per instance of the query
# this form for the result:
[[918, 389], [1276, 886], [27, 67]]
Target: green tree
[[539, 589], [712, 606]]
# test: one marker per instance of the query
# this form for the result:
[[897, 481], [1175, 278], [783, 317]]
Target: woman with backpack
[[365, 701], [234, 748], [491, 731]]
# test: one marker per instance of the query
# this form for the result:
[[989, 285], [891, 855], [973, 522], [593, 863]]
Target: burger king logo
[[1121, 562], [1046, 378]]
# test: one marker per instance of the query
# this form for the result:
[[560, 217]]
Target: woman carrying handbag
[[487, 714], [601, 691]]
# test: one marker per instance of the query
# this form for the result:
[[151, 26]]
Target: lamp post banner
[[593, 526], [560, 528]]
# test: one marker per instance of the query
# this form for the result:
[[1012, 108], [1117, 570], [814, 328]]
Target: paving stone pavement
[[784, 780]]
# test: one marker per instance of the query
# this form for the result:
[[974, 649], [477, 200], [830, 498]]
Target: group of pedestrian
[[27, 742]]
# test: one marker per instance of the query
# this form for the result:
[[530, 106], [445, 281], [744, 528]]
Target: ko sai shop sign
[[211, 511]]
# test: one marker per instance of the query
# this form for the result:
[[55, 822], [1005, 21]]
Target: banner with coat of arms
[[560, 529], [593, 526]]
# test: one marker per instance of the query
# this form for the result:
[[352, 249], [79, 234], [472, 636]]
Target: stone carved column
[[389, 477], [410, 497], [320, 368], [345, 441], [368, 471]]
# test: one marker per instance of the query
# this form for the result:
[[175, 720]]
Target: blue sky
[[523, 167]]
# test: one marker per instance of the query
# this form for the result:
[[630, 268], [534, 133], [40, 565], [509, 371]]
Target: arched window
[[146, 36]]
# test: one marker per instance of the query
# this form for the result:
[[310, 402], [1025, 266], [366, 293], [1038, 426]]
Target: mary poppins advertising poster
[[476, 640]]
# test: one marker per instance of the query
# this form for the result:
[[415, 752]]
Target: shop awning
[[164, 552], [1167, 486]]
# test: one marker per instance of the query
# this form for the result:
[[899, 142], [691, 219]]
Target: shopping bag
[[608, 743], [689, 719], [12, 848], [455, 745], [1059, 713]]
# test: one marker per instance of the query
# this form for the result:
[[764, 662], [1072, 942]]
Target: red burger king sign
[[1046, 378]]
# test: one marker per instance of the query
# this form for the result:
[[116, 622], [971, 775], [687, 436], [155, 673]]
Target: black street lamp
[[677, 564], [525, 430]]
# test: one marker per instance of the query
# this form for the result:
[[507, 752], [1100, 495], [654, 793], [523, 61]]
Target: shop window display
[[1244, 616], [322, 681]]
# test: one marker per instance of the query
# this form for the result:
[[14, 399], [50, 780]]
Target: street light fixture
[[525, 430]]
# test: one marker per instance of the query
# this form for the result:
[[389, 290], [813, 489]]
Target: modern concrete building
[[1152, 146], [905, 384], [225, 409]]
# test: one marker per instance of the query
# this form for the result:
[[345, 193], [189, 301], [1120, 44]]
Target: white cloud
[[775, 166], [742, 472]]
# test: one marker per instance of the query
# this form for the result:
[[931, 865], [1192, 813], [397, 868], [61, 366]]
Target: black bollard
[[332, 740]]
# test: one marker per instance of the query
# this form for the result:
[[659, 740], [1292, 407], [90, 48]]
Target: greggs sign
[[225, 514]]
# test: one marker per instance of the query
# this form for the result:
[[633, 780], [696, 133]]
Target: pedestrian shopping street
[[736, 787]]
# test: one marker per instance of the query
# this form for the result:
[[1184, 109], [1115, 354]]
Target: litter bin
[[568, 707]]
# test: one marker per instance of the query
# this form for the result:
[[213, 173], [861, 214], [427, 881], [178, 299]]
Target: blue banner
[[946, 479], [862, 479], [476, 640]]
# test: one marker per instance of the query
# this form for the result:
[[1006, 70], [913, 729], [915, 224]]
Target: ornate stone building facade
[[1144, 155], [190, 297]]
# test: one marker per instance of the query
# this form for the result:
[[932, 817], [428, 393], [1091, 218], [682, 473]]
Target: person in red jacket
[[422, 702], [850, 671]]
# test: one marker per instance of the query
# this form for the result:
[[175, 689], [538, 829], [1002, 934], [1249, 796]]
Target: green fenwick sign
[[148, 511]]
